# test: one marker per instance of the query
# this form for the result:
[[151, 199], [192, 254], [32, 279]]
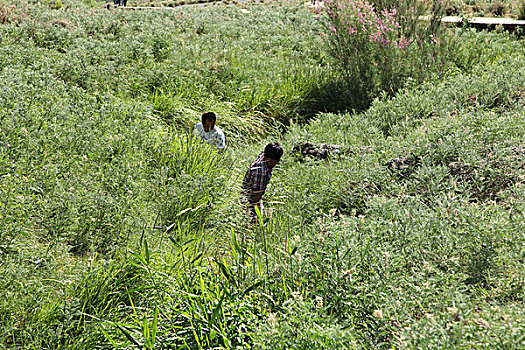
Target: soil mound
[[404, 166], [309, 149]]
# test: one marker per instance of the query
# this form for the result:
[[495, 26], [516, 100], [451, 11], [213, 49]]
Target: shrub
[[56, 5], [300, 327], [521, 11], [378, 47]]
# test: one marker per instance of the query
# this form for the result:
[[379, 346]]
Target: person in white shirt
[[209, 132]]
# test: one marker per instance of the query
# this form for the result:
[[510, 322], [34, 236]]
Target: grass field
[[118, 230], [483, 8]]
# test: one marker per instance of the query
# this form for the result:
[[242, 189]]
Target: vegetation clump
[[120, 230]]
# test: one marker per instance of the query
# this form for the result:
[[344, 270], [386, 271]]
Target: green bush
[[299, 326], [377, 47]]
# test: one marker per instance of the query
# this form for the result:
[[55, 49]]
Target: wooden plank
[[485, 22]]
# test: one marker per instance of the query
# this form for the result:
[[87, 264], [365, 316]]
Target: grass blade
[[128, 335]]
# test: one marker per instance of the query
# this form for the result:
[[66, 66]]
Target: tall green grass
[[119, 231]]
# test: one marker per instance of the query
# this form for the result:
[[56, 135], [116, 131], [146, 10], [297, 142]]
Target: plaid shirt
[[256, 178]]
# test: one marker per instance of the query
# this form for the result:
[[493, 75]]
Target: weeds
[[119, 231], [374, 44]]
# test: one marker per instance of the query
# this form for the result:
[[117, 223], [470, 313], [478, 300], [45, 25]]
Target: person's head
[[272, 154], [208, 121]]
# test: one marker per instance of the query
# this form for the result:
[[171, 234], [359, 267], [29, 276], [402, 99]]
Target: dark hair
[[273, 150], [209, 116]]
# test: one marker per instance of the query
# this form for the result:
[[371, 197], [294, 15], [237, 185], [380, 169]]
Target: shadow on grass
[[332, 97]]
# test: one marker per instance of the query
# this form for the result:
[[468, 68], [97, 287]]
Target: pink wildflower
[[383, 41], [403, 43]]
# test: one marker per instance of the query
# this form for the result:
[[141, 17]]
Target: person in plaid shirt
[[258, 175]]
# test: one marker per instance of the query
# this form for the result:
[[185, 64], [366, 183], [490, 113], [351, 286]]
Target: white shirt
[[214, 137]]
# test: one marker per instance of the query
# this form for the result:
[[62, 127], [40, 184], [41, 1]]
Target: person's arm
[[256, 184], [196, 132], [257, 200], [257, 195], [221, 141]]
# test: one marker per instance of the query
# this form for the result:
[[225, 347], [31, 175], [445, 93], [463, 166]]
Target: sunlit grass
[[118, 230]]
